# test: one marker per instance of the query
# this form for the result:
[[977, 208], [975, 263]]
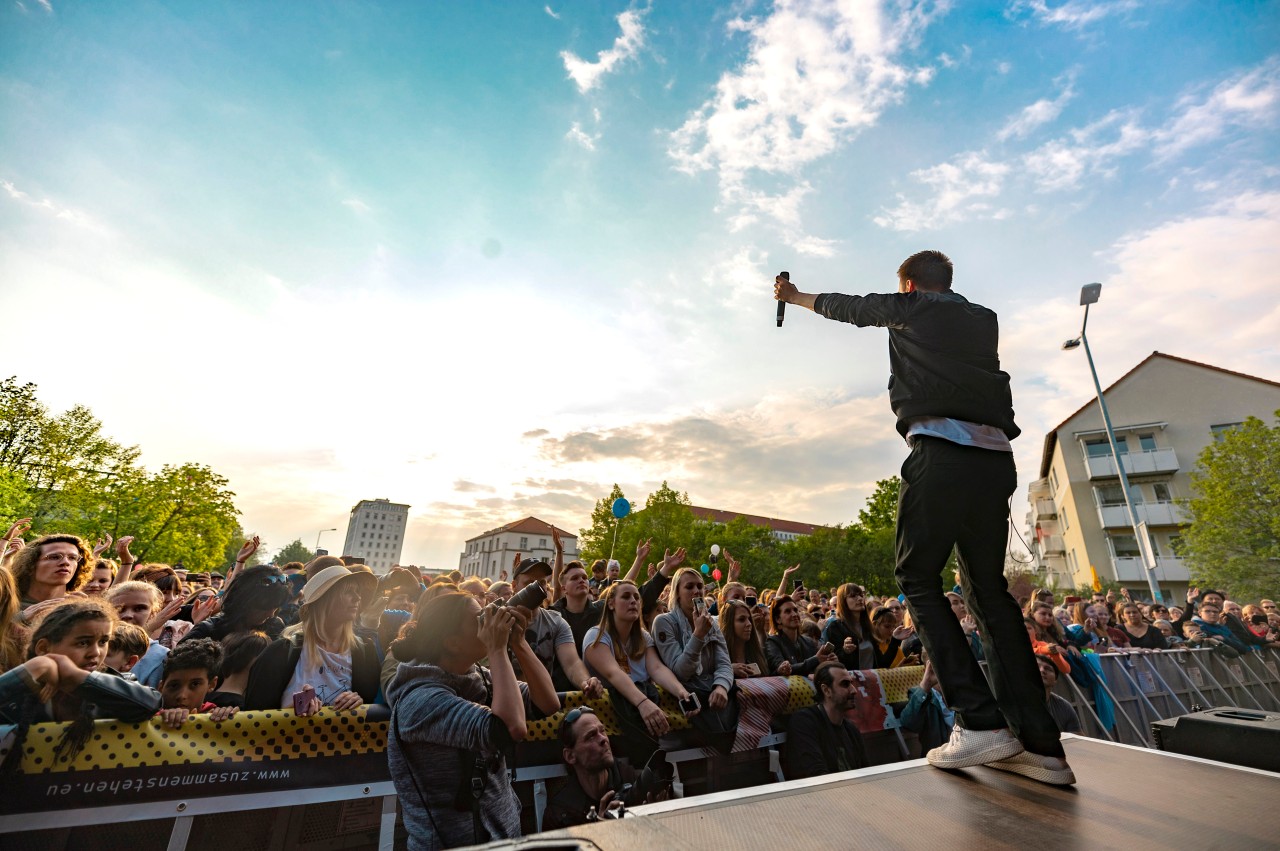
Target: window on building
[[1053, 481], [1220, 430], [1066, 523], [524, 543], [1101, 447], [1147, 442], [1109, 495], [1175, 545], [542, 542], [1162, 493], [1125, 546]]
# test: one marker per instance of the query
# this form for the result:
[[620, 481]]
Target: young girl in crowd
[[622, 653], [322, 654], [76, 636], [746, 652], [453, 721], [850, 632], [137, 603], [790, 653], [240, 652]]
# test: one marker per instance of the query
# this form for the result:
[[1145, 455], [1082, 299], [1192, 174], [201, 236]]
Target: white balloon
[[715, 549]]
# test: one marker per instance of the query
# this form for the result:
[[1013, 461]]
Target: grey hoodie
[[439, 720], [701, 663]]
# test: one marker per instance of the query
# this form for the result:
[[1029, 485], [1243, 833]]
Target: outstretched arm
[[784, 290]]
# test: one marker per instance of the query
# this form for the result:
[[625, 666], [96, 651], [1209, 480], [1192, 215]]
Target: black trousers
[[957, 496]]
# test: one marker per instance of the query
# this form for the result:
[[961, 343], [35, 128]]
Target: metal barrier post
[[1203, 669], [1122, 664], [1102, 681], [181, 833], [387, 824], [1244, 688], [1266, 686], [1084, 701], [1155, 672], [1180, 662]]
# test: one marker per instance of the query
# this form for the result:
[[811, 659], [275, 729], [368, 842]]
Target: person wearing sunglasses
[[250, 603], [597, 782]]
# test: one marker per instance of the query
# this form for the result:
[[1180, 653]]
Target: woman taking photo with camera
[[453, 720]]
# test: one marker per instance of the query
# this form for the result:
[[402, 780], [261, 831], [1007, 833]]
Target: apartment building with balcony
[[490, 553], [1164, 412]]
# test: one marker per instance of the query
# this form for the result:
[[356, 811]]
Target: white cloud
[[817, 72], [356, 204], [1004, 67], [956, 190], [46, 5], [66, 214], [1064, 163], [586, 140], [587, 74], [1249, 99], [550, 12], [1037, 114], [1073, 14]]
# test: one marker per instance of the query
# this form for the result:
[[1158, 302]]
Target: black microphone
[[782, 305]]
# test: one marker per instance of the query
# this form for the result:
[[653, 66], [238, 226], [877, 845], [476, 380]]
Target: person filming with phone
[[693, 647]]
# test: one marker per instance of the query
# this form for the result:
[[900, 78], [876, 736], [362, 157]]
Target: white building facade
[[375, 533], [489, 554]]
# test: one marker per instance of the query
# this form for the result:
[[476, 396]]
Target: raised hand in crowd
[[242, 558], [642, 552], [18, 529], [670, 561], [969, 625], [205, 608], [127, 560], [160, 618], [102, 545], [735, 566], [13, 542], [786, 574]]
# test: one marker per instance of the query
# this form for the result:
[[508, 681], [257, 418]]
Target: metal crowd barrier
[[1146, 687]]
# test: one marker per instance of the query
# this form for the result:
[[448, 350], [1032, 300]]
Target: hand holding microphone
[[782, 287]]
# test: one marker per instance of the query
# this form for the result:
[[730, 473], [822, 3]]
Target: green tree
[[294, 551], [1234, 539]]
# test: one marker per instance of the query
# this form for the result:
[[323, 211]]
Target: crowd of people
[[466, 663]]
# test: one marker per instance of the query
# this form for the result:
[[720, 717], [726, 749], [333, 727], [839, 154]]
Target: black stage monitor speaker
[[1238, 736]]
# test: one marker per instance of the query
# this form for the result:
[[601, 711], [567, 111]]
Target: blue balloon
[[706, 568], [621, 508]]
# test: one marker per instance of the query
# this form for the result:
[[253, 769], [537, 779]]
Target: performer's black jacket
[[943, 355]]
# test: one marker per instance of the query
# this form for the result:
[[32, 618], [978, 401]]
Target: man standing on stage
[[955, 410]]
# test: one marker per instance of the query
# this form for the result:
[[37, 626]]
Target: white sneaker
[[1046, 769], [968, 748]]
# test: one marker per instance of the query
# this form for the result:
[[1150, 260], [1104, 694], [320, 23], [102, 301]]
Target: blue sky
[[490, 258]]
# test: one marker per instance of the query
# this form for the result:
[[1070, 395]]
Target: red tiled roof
[[529, 525], [1051, 439], [715, 515]]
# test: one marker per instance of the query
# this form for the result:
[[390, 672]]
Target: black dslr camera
[[530, 596]]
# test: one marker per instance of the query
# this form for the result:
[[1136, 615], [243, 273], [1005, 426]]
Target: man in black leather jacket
[[954, 407]]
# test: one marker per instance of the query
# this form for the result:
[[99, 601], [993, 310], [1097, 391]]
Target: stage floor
[[1126, 797]]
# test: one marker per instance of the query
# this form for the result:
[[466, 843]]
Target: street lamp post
[[321, 532], [1089, 294]]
